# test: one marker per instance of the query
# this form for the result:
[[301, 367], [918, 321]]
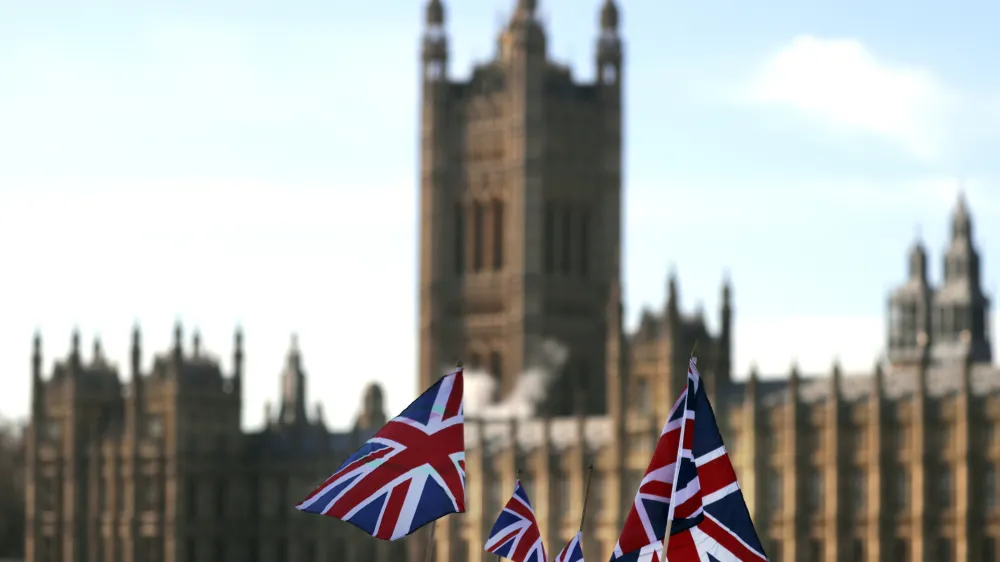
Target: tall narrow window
[[774, 551], [945, 551], [584, 244], [528, 484], [902, 491], [774, 491], [562, 498], [945, 487], [596, 497], [859, 492], [550, 239], [858, 550], [566, 242], [816, 551], [643, 400], [815, 490], [900, 551], [461, 553], [498, 232], [478, 237], [495, 496], [459, 239], [496, 370]]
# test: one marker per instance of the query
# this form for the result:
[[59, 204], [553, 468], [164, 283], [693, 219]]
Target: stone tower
[[520, 195], [953, 318], [961, 310]]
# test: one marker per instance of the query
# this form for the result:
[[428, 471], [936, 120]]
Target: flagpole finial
[[458, 364], [694, 350]]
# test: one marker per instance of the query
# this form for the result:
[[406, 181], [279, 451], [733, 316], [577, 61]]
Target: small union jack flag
[[573, 551], [410, 473], [724, 531], [515, 535], [646, 523]]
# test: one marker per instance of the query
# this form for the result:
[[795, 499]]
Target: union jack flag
[[410, 473], [724, 531], [646, 523], [515, 535], [573, 551]]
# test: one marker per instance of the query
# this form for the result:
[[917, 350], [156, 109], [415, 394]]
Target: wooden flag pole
[[677, 470], [586, 496], [430, 540]]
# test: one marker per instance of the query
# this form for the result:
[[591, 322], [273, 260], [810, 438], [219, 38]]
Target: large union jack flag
[[410, 473], [646, 523], [573, 551], [515, 536], [725, 532]]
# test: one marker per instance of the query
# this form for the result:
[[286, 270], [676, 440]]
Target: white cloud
[[843, 85]]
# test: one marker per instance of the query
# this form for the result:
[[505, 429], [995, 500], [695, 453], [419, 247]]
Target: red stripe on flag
[[716, 474], [390, 511], [681, 548]]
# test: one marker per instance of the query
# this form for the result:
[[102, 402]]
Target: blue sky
[[238, 162]]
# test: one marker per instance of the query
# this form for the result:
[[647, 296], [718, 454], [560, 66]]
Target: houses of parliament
[[520, 196]]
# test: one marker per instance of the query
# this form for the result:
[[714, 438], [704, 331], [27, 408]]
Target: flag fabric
[[573, 551], [722, 530], [516, 536], [410, 473], [645, 525]]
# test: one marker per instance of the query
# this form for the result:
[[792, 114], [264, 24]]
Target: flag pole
[[430, 540], [677, 467], [586, 495]]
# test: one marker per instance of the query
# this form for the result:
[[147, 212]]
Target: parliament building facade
[[520, 196]]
